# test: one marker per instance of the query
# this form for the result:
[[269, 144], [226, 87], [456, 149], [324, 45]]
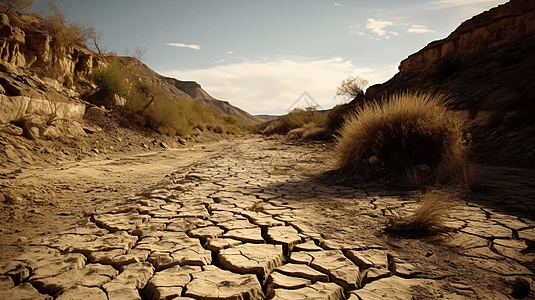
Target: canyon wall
[[487, 63]]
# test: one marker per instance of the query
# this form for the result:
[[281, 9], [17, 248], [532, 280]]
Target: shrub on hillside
[[351, 88], [411, 133], [147, 105], [297, 118], [111, 79]]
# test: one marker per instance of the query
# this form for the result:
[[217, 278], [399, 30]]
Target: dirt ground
[[56, 191]]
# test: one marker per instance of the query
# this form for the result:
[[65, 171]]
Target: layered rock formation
[[486, 63], [41, 84]]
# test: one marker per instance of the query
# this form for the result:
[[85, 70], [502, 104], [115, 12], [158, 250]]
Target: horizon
[[261, 57]]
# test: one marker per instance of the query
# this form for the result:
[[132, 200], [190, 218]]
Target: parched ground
[[251, 218]]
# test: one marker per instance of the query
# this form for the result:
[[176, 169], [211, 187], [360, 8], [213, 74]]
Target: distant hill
[[190, 89]]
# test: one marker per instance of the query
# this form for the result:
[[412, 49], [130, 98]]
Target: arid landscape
[[130, 185]]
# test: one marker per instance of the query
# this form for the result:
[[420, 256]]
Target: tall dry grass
[[430, 216], [400, 135]]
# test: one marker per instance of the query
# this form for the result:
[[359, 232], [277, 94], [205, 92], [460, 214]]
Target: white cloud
[[180, 45], [377, 26], [419, 29], [394, 33], [231, 52], [270, 86], [338, 4]]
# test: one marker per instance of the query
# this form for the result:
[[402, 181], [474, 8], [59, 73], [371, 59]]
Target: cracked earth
[[256, 218]]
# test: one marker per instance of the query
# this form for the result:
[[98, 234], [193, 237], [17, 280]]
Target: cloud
[[394, 33], [419, 29], [270, 86], [231, 52], [338, 4], [180, 45], [377, 26]]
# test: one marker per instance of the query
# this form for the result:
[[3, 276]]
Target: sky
[[261, 56]]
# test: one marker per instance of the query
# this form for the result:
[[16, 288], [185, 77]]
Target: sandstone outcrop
[[486, 63]]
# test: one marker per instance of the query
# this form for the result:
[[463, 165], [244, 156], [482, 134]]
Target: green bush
[[112, 79]]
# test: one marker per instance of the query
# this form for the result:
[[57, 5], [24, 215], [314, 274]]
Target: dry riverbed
[[262, 200]]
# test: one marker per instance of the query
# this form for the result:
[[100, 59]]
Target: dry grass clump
[[412, 136], [430, 216], [297, 118], [309, 131]]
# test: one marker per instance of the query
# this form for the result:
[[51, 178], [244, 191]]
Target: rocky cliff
[[41, 82], [487, 63]]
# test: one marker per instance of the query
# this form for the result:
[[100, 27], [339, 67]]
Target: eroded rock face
[[28, 47], [493, 51]]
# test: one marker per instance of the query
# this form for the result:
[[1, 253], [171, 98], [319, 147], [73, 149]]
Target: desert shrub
[[408, 130], [9, 6], [431, 215], [309, 131], [111, 79], [351, 87], [297, 118]]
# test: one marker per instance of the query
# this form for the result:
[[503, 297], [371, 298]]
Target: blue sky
[[262, 55]]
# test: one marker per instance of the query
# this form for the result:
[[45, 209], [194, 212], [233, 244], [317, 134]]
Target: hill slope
[[191, 89]]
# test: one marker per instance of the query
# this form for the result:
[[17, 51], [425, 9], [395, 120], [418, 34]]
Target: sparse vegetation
[[15, 6], [150, 107], [351, 88], [411, 136], [301, 123], [430, 216], [112, 79]]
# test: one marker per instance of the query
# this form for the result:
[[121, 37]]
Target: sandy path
[[56, 197]]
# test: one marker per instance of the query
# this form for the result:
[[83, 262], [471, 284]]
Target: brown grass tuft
[[403, 134], [297, 118], [430, 216]]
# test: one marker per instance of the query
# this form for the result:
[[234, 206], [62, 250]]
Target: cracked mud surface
[[254, 219]]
